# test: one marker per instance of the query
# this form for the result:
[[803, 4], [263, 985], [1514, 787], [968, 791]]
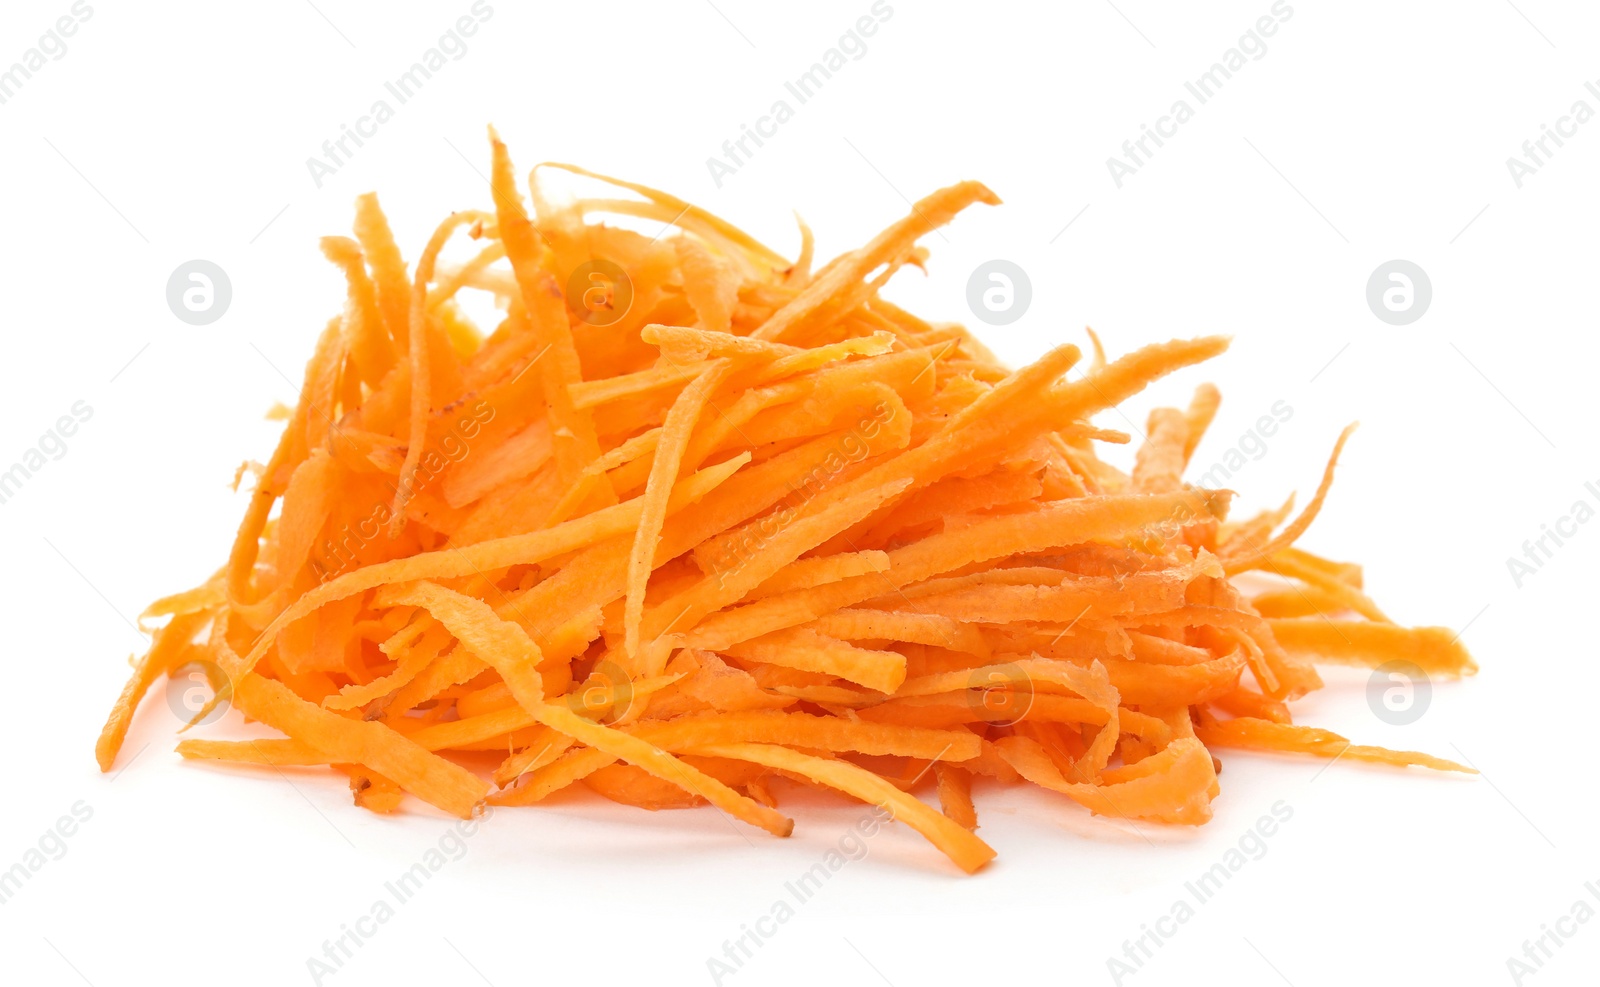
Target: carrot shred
[[959, 844], [1251, 556], [675, 436], [1248, 733], [168, 646], [762, 525], [429, 777], [955, 794], [1435, 650], [421, 386]]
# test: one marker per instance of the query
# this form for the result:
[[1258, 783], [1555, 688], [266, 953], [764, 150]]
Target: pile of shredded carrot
[[695, 517]]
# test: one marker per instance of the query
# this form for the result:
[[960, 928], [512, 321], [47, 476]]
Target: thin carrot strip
[[955, 794], [1435, 650], [366, 337], [508, 649], [575, 442], [687, 345], [590, 394], [664, 766], [415, 656], [812, 652], [1063, 523], [959, 844], [168, 646], [1253, 556], [926, 216], [208, 595], [421, 386], [900, 625], [279, 751], [806, 573], [685, 213], [1341, 593], [1198, 416], [536, 755], [427, 776], [565, 770], [393, 288], [288, 455], [488, 556], [1246, 733], [674, 440], [1160, 461]]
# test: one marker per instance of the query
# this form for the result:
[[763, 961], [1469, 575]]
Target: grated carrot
[[762, 528]]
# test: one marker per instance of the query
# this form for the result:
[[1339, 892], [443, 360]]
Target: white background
[[1367, 131]]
